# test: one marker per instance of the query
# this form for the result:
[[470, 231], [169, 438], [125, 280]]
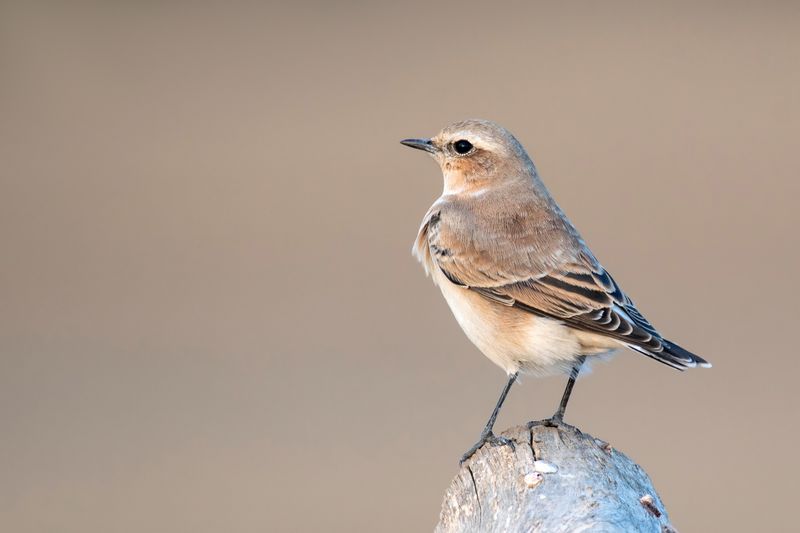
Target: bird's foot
[[556, 420], [487, 438]]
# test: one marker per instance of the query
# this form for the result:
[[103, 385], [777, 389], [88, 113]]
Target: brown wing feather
[[584, 296], [548, 273]]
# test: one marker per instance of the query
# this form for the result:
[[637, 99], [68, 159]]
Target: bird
[[518, 277]]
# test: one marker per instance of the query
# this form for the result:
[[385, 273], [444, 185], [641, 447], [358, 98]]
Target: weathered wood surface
[[593, 487]]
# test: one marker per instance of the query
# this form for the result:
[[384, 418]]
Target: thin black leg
[[559, 416], [486, 434]]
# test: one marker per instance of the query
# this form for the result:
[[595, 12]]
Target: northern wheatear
[[521, 282]]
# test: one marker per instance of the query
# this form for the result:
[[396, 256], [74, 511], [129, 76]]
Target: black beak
[[420, 144]]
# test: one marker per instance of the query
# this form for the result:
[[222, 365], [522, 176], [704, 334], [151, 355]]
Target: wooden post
[[556, 479]]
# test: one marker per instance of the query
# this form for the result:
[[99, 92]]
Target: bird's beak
[[420, 144]]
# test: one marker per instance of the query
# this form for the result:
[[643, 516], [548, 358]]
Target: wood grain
[[556, 479]]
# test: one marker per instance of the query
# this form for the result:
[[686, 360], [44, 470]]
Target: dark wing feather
[[543, 269], [583, 295]]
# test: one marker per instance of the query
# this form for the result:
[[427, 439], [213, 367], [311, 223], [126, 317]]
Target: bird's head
[[475, 154]]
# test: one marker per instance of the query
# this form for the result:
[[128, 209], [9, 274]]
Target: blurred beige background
[[211, 320]]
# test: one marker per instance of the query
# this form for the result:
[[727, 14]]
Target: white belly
[[513, 339]]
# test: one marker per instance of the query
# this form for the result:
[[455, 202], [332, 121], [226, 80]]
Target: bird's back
[[520, 251]]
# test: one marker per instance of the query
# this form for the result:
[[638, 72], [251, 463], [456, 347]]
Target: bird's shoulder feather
[[484, 242]]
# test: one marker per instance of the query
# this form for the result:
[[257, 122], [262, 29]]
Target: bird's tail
[[673, 355]]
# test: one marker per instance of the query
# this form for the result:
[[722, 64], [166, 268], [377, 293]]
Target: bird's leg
[[486, 434], [557, 418]]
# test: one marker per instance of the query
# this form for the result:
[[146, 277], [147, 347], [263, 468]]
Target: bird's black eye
[[462, 147]]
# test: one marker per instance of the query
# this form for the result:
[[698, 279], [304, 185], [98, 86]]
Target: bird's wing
[[568, 285]]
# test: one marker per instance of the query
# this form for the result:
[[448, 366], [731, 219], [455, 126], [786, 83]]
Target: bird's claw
[[487, 438]]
